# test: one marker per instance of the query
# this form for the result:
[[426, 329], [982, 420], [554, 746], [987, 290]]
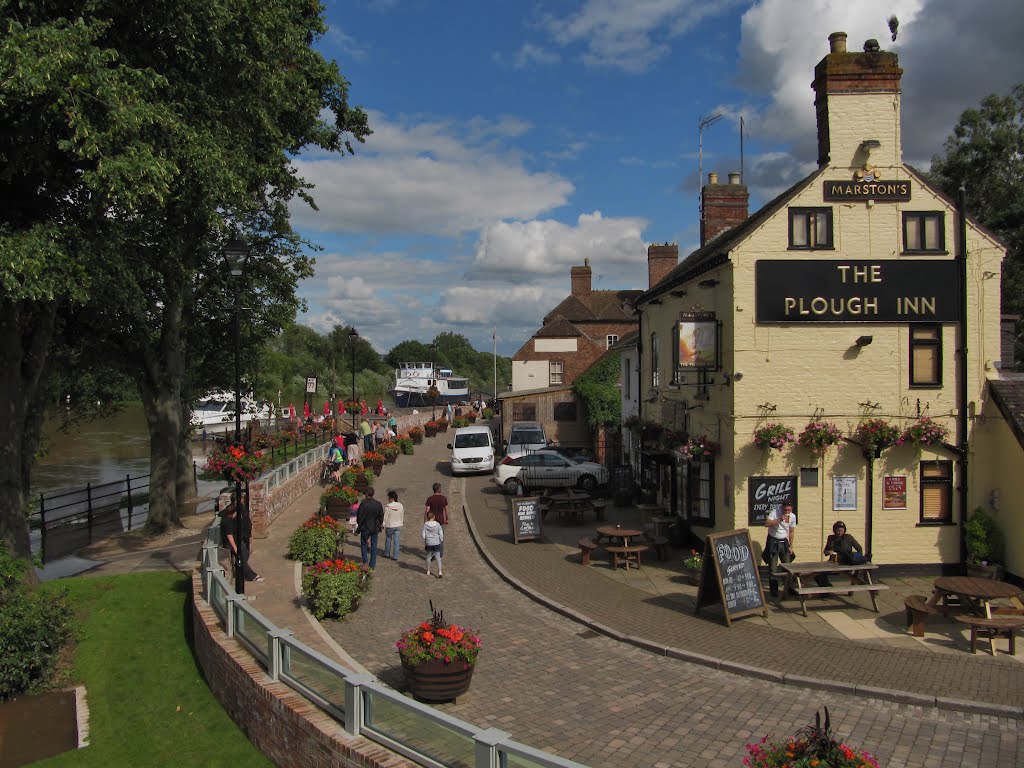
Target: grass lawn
[[148, 702]]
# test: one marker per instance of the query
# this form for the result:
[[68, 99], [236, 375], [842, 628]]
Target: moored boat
[[413, 382], [218, 408]]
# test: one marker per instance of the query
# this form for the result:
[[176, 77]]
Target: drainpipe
[[869, 512], [961, 395]]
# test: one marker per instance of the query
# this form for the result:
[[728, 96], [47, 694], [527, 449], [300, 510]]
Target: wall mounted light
[[677, 294], [654, 301], [863, 341], [709, 283], [870, 144]]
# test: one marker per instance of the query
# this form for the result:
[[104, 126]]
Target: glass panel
[[798, 230], [913, 233], [218, 599], [403, 724], [250, 630], [927, 332], [307, 671], [822, 234], [516, 761], [931, 233], [926, 365]]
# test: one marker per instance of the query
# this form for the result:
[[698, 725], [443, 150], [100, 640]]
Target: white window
[[626, 376], [654, 360], [555, 371], [612, 338]]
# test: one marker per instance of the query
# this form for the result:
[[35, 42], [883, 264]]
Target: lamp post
[[352, 336], [433, 392], [236, 251]]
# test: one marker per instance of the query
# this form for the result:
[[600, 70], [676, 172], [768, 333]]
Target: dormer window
[[810, 228]]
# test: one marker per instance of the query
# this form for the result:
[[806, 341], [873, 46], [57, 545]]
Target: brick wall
[[284, 726]]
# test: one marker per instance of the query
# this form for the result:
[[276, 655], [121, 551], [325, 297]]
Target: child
[[433, 535]]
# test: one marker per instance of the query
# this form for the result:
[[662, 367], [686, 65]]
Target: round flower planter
[[376, 467], [416, 438], [430, 431], [337, 507], [390, 459], [434, 680]]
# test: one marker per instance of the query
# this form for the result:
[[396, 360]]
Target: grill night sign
[[882, 191], [904, 291]]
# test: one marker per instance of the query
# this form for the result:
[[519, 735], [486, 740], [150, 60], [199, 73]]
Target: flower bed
[[333, 588], [316, 540]]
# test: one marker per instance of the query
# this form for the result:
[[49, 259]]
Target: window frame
[[655, 378], [556, 379], [918, 218], [611, 339], [936, 344], [694, 484], [945, 480], [812, 244], [559, 409]]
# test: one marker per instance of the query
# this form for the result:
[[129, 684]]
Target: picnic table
[[571, 505], [976, 594], [802, 576], [624, 552]]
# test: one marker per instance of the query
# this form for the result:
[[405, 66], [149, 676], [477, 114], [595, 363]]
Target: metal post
[[128, 487], [88, 508], [42, 527], [239, 538]]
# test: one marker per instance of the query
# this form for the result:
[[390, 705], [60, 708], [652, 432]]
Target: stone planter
[[434, 680], [994, 572]]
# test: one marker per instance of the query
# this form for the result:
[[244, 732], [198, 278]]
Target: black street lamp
[[352, 336], [236, 251]]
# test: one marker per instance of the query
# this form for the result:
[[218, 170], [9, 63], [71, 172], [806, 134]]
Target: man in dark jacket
[[369, 522]]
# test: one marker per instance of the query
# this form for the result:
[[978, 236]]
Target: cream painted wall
[[529, 374], [855, 117], [554, 345]]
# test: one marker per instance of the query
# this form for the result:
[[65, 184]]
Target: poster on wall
[[844, 493], [767, 493], [697, 339], [894, 492]]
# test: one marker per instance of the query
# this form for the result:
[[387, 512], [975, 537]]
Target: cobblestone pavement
[[558, 685]]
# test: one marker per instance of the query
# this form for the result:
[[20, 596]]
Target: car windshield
[[472, 440], [527, 437]]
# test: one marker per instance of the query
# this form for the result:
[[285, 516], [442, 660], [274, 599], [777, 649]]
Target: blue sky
[[514, 139]]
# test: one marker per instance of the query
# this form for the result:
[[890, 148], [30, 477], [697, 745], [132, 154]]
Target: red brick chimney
[[661, 259], [851, 90], [723, 206], [581, 279]]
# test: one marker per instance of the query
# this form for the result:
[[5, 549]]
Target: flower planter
[[994, 572], [692, 576], [434, 680], [416, 437], [337, 507], [376, 467], [430, 431], [390, 459]]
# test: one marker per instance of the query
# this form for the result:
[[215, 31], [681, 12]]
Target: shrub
[[488, 413], [405, 444], [333, 587], [983, 538], [458, 422], [34, 624], [316, 540]]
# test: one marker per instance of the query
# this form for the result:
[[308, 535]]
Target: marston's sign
[[883, 191], [905, 291]]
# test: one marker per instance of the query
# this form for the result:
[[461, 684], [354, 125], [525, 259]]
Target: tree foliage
[[599, 390], [985, 153]]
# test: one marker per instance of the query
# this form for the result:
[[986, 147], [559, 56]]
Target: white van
[[472, 451], [525, 437]]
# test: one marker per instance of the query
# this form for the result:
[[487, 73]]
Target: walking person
[[378, 435], [433, 540], [369, 521], [394, 516], [437, 505], [778, 548], [234, 536], [367, 433]]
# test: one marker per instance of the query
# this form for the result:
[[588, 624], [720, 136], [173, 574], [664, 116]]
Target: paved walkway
[[549, 679]]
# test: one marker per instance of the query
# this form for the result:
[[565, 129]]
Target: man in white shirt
[[781, 524]]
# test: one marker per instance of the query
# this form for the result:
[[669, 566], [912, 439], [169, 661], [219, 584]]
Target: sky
[[511, 140]]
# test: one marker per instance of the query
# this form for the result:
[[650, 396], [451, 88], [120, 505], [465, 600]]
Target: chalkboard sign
[[767, 493], [730, 576], [525, 518], [622, 484]]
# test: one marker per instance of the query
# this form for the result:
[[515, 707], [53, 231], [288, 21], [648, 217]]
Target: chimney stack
[[661, 259], [853, 90], [723, 206], [580, 278]]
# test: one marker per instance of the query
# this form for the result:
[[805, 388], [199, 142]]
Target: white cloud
[[531, 55]]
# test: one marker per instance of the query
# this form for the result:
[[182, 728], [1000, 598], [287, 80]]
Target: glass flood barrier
[[308, 674], [441, 742]]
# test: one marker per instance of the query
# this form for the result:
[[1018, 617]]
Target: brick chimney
[[723, 206], [661, 259], [857, 100], [581, 279]]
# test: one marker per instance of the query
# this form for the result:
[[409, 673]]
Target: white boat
[[414, 380], [218, 409]]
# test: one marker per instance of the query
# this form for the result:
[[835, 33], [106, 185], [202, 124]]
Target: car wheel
[[511, 486], [587, 483]]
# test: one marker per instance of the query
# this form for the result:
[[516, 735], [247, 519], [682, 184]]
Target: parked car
[[526, 436], [547, 469], [472, 450]]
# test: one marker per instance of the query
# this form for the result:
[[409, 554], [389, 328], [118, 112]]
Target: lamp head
[[236, 251]]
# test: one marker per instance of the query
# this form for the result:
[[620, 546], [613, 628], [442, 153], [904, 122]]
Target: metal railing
[[279, 474], [359, 702]]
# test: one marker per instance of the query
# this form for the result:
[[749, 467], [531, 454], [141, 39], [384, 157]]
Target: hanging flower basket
[[924, 432], [236, 465], [875, 435], [773, 436], [818, 436], [699, 448], [353, 407]]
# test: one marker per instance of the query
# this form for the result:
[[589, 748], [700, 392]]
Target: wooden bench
[[599, 507], [917, 611], [626, 555], [586, 546], [659, 544], [849, 589], [997, 626]]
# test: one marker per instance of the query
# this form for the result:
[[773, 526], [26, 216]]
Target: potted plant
[[374, 461], [389, 450], [438, 658], [431, 428], [813, 745], [333, 588], [693, 567], [984, 541], [236, 465], [405, 444], [924, 432], [416, 435], [875, 435], [488, 413], [353, 407], [698, 448], [773, 436], [442, 424], [460, 421], [337, 500], [316, 540], [818, 436]]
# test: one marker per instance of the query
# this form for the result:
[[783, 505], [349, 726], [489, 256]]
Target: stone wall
[[284, 726]]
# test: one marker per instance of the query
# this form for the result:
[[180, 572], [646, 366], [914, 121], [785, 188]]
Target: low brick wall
[[266, 507], [284, 726]]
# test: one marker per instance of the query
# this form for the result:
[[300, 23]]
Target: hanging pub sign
[[697, 341], [879, 190], [767, 493], [888, 291]]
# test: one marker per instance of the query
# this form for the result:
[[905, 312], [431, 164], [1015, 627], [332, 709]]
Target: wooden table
[[572, 503], [860, 580], [974, 593], [625, 553], [617, 532]]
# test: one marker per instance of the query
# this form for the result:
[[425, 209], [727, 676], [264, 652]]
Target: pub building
[[839, 302]]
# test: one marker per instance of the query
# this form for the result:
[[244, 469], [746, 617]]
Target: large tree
[[985, 153], [135, 138]]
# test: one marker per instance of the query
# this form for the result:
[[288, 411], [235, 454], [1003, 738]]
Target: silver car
[[548, 469]]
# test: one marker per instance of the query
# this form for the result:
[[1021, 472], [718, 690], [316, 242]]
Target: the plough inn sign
[[815, 291]]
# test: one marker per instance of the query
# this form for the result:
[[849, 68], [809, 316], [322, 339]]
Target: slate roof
[[1008, 395], [599, 306], [558, 326]]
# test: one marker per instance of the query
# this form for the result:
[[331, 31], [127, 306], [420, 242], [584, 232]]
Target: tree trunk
[[26, 329]]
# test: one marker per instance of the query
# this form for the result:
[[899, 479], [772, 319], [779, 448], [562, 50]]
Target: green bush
[[405, 445], [488, 413], [333, 587], [983, 538], [316, 540], [34, 625], [458, 422]]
